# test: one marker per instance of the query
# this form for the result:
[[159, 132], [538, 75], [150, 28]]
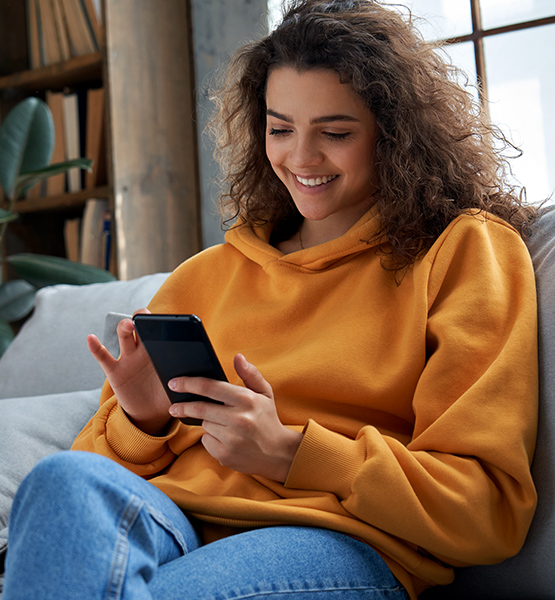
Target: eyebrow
[[317, 120]]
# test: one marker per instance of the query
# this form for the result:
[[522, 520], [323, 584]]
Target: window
[[274, 13], [508, 48]]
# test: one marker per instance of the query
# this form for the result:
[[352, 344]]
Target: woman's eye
[[336, 136], [278, 131], [329, 134]]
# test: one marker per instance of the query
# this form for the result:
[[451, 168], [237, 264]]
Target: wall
[[219, 28]]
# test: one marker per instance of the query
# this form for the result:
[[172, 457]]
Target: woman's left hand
[[244, 433]]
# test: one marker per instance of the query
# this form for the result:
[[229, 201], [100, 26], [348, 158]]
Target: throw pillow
[[31, 428], [50, 355]]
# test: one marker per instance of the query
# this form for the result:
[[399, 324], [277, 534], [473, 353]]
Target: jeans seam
[[169, 527], [121, 551], [318, 590]]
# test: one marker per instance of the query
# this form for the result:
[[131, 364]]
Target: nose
[[305, 152]]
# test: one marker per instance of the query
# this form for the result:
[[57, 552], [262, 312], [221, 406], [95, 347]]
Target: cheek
[[271, 151], [275, 156], [364, 160]]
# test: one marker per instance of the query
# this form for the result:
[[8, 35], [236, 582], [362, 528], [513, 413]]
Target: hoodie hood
[[254, 244]]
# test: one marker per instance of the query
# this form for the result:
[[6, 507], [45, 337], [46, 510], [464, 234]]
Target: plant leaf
[[41, 270], [6, 216], [26, 141], [6, 335], [24, 181], [17, 299]]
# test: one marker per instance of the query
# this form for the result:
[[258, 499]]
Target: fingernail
[[172, 384]]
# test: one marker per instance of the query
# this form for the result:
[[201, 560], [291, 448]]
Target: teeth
[[315, 182]]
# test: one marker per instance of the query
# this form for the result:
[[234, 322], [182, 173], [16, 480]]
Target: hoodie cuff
[[132, 444], [326, 461]]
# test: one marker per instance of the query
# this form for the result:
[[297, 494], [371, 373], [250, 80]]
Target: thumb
[[251, 376]]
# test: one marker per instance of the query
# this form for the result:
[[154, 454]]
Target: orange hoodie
[[418, 401]]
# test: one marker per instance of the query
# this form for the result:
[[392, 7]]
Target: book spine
[[33, 35]]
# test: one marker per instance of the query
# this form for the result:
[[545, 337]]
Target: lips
[[315, 181]]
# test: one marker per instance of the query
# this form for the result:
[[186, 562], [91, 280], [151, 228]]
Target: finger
[[142, 311], [100, 353], [214, 447], [126, 337], [222, 391], [251, 376], [204, 411]]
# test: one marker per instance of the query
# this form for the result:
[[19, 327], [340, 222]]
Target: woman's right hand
[[133, 379]]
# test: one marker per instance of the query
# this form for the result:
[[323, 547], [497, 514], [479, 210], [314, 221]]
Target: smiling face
[[320, 141]]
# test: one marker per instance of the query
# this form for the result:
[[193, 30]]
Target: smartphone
[[178, 345]]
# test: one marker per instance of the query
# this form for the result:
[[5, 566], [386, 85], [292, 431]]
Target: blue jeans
[[83, 527]]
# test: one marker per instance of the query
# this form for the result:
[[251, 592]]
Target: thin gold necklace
[[300, 239]]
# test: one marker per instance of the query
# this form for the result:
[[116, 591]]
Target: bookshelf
[[144, 64]]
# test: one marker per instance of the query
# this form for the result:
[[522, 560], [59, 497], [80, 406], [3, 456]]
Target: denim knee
[[63, 474]]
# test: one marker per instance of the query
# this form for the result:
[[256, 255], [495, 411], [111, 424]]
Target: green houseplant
[[26, 143]]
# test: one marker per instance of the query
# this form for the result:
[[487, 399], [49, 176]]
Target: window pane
[[274, 13], [496, 13], [520, 70], [441, 19], [462, 56]]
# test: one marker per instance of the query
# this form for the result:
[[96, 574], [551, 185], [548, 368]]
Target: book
[[95, 138], [82, 101], [98, 8], [93, 249], [80, 37], [51, 47], [92, 20], [61, 30], [57, 184], [42, 50], [72, 238], [106, 257], [33, 35], [72, 139]]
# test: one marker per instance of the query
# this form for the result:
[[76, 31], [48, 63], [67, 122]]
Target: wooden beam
[[154, 138]]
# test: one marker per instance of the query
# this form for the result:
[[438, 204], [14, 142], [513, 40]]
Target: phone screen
[[178, 345]]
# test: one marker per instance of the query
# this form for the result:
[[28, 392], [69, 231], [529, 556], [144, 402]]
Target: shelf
[[151, 139], [62, 202], [58, 76]]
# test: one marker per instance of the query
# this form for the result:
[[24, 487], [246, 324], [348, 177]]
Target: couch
[[50, 386]]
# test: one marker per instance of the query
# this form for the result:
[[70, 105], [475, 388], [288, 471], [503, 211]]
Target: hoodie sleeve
[[461, 489], [112, 434]]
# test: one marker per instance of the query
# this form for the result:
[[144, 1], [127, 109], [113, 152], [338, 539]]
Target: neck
[[313, 233]]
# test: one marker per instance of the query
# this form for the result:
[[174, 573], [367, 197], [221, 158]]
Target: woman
[[381, 428]]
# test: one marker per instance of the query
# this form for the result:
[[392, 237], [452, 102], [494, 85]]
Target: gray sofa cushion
[[49, 383], [50, 353], [31, 428], [529, 575]]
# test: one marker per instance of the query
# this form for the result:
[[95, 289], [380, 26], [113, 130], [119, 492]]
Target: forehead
[[311, 93]]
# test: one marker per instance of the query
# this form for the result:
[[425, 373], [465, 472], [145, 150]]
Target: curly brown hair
[[436, 153]]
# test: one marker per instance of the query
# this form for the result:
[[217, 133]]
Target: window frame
[[478, 35]]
